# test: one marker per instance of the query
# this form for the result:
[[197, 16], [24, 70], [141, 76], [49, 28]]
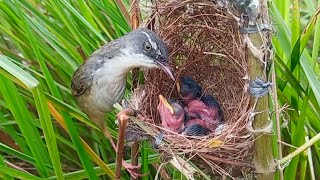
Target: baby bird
[[188, 89], [206, 109], [202, 110], [172, 114], [196, 130]]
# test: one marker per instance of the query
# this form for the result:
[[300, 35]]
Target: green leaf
[[144, 157], [18, 174], [25, 122], [47, 128], [3, 164]]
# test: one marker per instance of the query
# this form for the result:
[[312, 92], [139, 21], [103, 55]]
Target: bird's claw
[[132, 169], [125, 104], [130, 166], [124, 114]]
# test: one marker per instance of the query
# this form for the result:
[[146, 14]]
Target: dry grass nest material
[[205, 43]]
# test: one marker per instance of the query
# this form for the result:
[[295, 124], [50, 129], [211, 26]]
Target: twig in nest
[[227, 161]]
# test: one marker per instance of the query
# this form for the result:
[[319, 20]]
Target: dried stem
[[123, 10], [299, 150], [277, 113], [134, 155]]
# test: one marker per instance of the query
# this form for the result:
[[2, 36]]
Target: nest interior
[[205, 43]]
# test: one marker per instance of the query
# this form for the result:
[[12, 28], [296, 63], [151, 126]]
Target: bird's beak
[[167, 69], [164, 101]]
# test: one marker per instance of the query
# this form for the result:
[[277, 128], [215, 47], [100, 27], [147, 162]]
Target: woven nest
[[205, 43]]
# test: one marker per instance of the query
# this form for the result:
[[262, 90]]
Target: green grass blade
[[295, 25], [47, 128], [69, 22], [307, 32], [18, 174], [312, 77], [50, 82], [3, 164], [145, 160], [82, 19], [298, 140], [115, 16], [284, 8], [303, 161], [310, 157], [10, 129], [6, 149], [20, 74], [43, 112], [81, 174], [295, 43], [75, 137], [296, 86], [87, 14], [39, 57], [24, 120]]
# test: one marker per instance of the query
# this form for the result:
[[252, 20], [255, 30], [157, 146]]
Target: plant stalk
[[134, 155], [135, 79], [277, 114], [300, 149], [257, 59]]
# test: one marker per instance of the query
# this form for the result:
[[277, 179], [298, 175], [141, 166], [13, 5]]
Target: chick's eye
[[147, 46]]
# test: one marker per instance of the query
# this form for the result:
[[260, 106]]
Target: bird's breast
[[108, 89]]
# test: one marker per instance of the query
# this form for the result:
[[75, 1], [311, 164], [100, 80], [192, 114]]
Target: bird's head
[[171, 107], [172, 113], [148, 50], [188, 89]]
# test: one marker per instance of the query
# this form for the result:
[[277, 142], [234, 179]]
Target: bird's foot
[[124, 114], [132, 169]]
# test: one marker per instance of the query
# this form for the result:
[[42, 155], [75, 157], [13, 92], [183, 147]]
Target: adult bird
[[172, 114], [100, 81]]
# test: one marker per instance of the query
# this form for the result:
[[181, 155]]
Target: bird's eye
[[147, 46]]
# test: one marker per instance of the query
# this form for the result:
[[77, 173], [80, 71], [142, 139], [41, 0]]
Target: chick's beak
[[165, 102], [167, 69]]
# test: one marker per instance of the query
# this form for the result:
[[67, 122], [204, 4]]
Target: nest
[[205, 43]]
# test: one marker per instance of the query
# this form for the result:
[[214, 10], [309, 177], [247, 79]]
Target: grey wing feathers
[[83, 76], [82, 80]]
